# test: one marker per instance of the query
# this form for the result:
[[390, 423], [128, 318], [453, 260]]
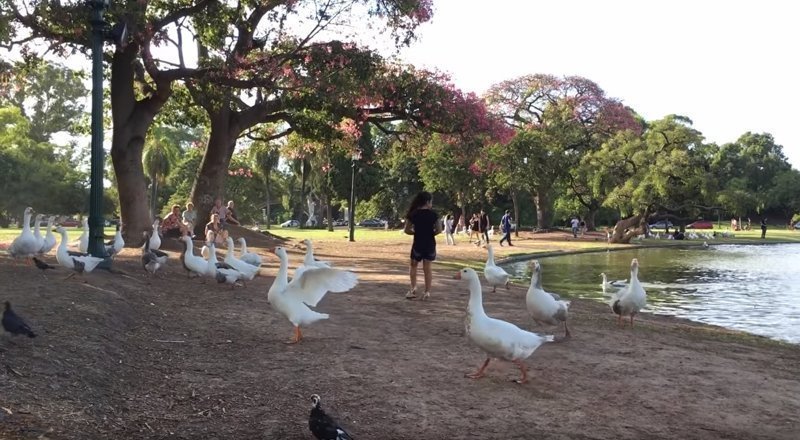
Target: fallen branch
[[169, 342]]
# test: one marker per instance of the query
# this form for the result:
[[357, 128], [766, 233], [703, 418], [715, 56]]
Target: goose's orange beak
[[458, 275]]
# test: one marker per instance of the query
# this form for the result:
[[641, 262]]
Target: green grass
[[9, 234], [340, 234]]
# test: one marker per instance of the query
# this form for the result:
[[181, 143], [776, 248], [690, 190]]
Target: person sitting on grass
[[214, 232], [190, 216], [171, 226], [231, 217]]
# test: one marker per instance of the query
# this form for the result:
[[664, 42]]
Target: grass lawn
[[341, 233], [379, 234]]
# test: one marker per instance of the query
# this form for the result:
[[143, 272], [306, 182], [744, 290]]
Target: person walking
[[505, 226], [483, 226], [449, 230], [763, 228], [575, 223], [422, 222]]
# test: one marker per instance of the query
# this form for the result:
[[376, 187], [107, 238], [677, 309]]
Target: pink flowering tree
[[557, 121]]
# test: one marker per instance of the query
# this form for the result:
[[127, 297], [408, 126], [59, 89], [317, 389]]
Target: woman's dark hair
[[420, 200]]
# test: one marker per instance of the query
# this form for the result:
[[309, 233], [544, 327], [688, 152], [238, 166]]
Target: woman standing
[[422, 222], [449, 229]]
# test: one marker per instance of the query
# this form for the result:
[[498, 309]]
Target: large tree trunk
[[132, 119], [544, 208], [628, 228], [590, 218], [516, 212], [210, 181]]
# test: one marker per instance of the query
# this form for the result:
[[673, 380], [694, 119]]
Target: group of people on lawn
[[177, 224]]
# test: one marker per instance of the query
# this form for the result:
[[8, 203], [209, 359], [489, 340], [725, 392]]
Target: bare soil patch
[[126, 356]]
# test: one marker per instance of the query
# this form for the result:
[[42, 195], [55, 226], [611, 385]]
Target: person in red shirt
[[172, 226]]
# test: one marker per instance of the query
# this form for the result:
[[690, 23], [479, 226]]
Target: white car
[[290, 224]]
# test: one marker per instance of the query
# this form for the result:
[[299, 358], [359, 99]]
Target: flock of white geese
[[312, 279]]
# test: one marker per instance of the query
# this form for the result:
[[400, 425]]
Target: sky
[[730, 66]]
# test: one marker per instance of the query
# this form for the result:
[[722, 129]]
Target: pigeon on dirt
[[15, 325], [42, 265], [323, 426]]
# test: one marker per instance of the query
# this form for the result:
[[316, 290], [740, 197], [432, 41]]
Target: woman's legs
[[426, 268], [412, 274]]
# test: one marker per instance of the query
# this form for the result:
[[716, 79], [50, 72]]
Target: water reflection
[[750, 288]]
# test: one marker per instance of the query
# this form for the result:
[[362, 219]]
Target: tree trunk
[[329, 213], [590, 216], [132, 119], [269, 202], [303, 177], [544, 211], [210, 181], [153, 196], [628, 228], [516, 212]]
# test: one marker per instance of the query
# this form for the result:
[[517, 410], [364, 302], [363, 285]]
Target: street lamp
[[351, 222], [96, 236], [100, 32]]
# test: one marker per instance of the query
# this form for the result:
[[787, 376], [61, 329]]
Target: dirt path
[[130, 357]]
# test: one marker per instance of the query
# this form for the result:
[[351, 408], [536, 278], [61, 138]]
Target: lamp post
[[96, 236], [351, 221]]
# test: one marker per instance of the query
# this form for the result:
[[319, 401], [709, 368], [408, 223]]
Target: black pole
[[351, 222], [96, 223]]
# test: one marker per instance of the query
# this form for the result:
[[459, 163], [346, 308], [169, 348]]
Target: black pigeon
[[14, 324], [322, 425], [42, 265]]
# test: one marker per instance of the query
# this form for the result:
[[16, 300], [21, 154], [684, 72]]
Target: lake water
[[750, 288]]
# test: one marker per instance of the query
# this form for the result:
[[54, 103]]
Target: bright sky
[[730, 66]]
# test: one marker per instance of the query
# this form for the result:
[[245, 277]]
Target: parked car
[[662, 224], [797, 225], [372, 223], [69, 223], [701, 224], [291, 224], [340, 222]]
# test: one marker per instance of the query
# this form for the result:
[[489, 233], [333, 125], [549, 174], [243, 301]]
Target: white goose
[[191, 262], [494, 274], [499, 339], [25, 245], [78, 262], [212, 264], [309, 260], [248, 271], [115, 246], [83, 241], [308, 287], [49, 237], [631, 299], [152, 260], [545, 307], [155, 238], [36, 233], [249, 257], [610, 287]]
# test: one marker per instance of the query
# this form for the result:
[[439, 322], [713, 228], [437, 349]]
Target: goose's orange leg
[[524, 370], [480, 373], [298, 336]]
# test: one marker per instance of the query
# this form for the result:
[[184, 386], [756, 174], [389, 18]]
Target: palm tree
[[160, 154], [264, 157]]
